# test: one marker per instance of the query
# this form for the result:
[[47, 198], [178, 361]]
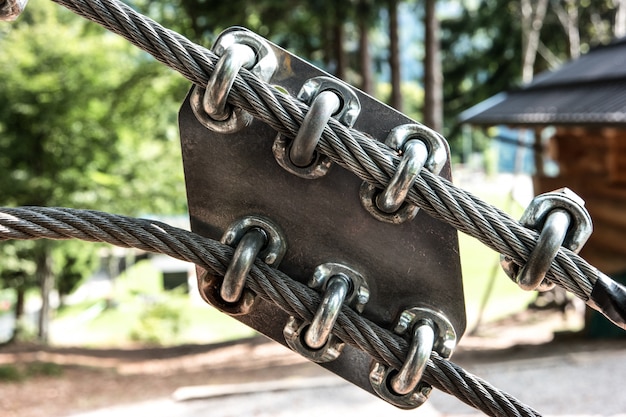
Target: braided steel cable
[[370, 160], [295, 298]]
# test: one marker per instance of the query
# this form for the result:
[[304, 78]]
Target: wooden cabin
[[582, 108]]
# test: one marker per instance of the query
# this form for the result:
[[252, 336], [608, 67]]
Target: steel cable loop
[[270, 284]]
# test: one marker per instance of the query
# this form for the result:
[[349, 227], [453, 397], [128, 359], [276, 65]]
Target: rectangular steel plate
[[231, 176]]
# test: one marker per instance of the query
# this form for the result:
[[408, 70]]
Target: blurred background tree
[[486, 46], [17, 272], [490, 46], [86, 121]]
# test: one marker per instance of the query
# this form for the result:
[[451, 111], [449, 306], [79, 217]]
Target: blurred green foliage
[[87, 120], [159, 323], [43, 369], [10, 373], [139, 310], [15, 373]]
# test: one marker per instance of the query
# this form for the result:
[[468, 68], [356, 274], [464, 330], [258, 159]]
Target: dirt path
[[95, 378], [92, 379]]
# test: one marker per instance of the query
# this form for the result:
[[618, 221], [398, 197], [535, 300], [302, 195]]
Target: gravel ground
[[566, 377], [562, 379]]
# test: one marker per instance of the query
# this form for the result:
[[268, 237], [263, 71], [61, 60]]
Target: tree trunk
[[532, 22], [18, 311], [619, 29], [433, 76], [339, 52], [568, 16], [394, 56], [327, 44], [365, 59], [46, 280]]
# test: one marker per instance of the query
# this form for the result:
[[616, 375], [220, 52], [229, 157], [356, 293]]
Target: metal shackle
[[11, 9], [532, 275], [420, 349], [237, 48], [237, 56], [340, 285], [324, 105], [327, 98], [414, 154], [419, 147], [252, 237], [562, 220], [246, 252], [326, 315], [429, 331]]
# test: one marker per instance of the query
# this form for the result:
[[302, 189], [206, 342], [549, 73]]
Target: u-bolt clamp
[[236, 49], [252, 237], [420, 147], [326, 97], [429, 331], [562, 220], [11, 9], [340, 284]]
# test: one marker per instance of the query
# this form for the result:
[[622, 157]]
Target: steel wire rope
[[371, 160], [295, 298]]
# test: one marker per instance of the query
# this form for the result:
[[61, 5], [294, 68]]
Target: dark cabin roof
[[590, 90]]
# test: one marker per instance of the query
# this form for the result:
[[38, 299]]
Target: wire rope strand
[[295, 298]]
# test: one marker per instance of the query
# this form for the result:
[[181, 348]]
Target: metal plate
[[407, 265]]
